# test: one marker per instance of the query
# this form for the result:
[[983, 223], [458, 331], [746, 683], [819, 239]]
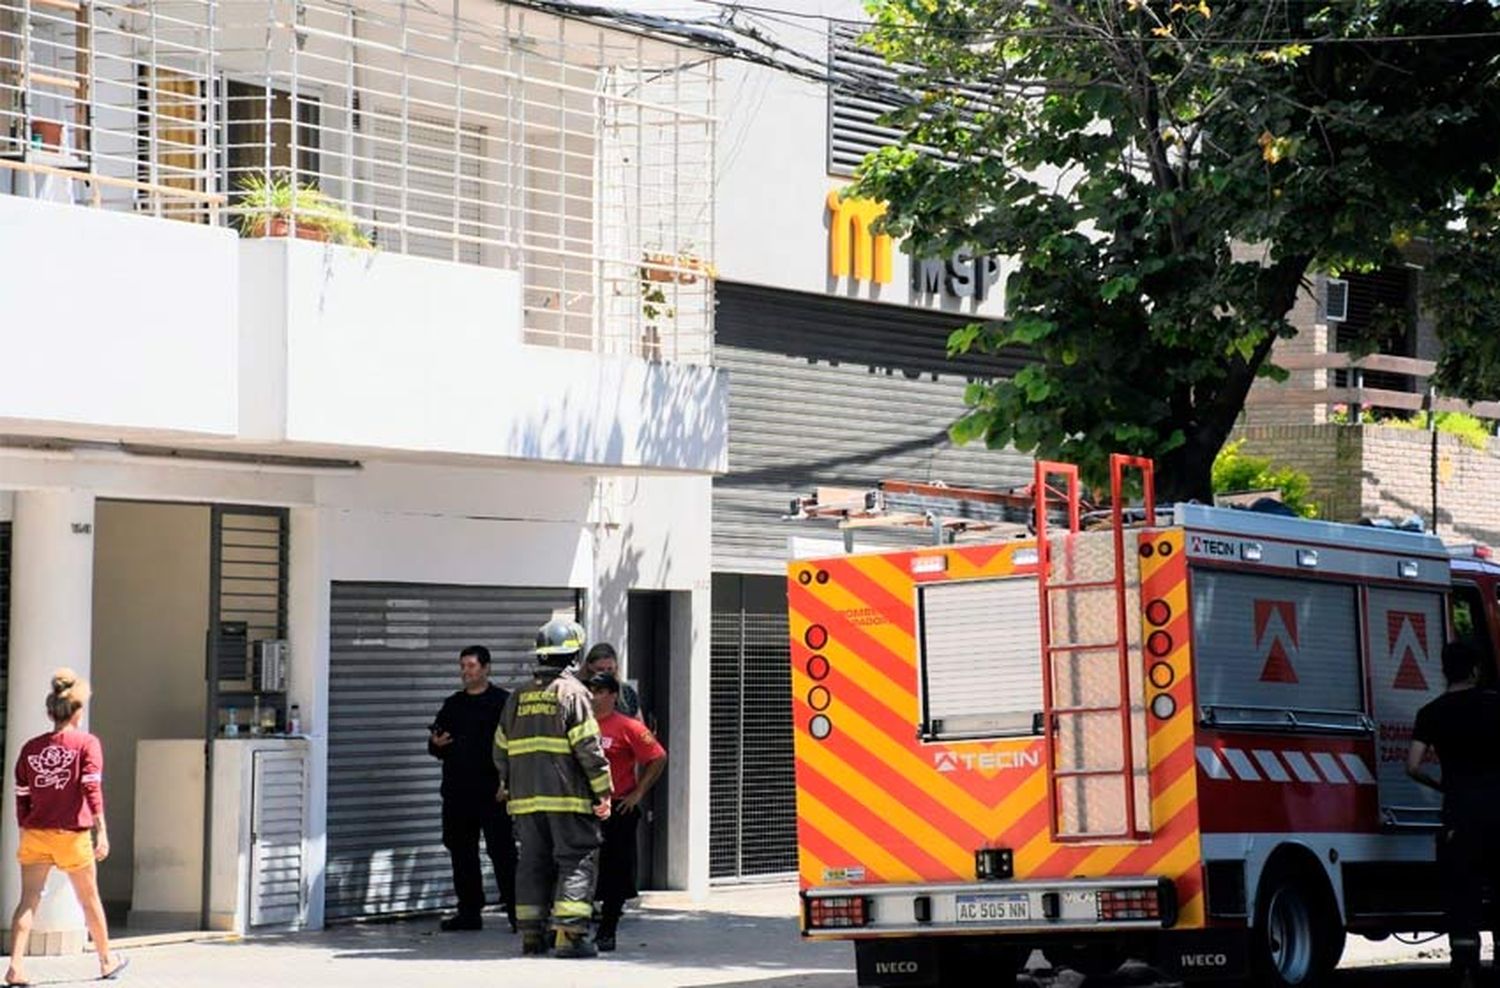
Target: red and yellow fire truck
[[1181, 739]]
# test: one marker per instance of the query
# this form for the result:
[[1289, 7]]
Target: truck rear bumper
[[1193, 956], [999, 907]]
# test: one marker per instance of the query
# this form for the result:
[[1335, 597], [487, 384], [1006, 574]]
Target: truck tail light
[[836, 911], [1134, 903]]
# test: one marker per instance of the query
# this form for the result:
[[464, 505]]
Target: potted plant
[[269, 206], [683, 267]]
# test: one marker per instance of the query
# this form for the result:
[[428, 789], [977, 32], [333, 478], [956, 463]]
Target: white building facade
[[377, 329]]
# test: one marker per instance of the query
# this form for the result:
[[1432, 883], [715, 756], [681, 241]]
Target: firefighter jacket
[[547, 748]]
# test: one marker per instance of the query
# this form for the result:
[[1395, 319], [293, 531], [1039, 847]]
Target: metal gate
[[393, 659], [753, 788]]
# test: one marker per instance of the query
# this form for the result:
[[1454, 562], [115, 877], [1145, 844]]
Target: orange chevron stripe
[[922, 849], [882, 594], [827, 849]]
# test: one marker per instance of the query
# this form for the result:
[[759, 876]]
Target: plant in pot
[[269, 206], [683, 267]]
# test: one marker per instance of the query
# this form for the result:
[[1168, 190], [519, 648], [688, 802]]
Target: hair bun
[[64, 680]]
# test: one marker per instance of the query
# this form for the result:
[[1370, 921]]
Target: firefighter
[[1462, 727], [555, 780]]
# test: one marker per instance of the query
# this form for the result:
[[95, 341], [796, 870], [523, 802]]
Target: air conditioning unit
[[1335, 300]]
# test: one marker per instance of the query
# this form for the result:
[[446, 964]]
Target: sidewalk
[[742, 937]]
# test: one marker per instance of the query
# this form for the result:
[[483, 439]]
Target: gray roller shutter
[[394, 658], [981, 657], [830, 391], [4, 628], [1405, 633]]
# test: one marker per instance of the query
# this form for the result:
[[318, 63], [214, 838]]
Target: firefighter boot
[[533, 939], [574, 943]]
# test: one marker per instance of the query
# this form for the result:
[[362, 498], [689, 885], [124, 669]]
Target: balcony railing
[[478, 133], [1356, 395]]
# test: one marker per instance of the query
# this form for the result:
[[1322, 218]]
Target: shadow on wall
[[677, 417]]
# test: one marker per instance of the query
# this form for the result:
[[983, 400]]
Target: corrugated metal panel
[[869, 87], [394, 658], [831, 391], [1276, 644], [981, 674], [4, 629], [752, 787], [279, 824], [1406, 670]]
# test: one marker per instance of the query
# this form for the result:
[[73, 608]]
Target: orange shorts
[[68, 850]]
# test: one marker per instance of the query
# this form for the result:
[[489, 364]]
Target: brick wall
[[1374, 471], [1312, 337]]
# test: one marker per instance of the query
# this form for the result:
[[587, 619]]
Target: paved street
[[743, 938]]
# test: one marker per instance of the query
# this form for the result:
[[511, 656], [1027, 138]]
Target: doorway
[[182, 594], [649, 653]]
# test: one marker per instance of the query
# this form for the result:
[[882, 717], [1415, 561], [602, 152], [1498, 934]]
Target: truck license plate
[[994, 908]]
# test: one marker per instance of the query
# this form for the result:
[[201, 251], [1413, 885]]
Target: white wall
[[150, 615], [771, 225], [385, 351], [116, 320]]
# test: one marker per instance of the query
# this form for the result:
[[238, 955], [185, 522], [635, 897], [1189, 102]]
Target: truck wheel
[[1297, 938]]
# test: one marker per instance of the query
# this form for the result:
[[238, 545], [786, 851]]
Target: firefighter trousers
[[557, 869]]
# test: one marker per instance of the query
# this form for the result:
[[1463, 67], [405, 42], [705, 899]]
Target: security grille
[[753, 788], [4, 628], [393, 660]]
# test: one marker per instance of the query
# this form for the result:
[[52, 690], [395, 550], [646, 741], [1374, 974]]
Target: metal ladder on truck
[[1092, 670]]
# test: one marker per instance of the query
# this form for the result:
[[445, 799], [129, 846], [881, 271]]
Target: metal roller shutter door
[[394, 650], [4, 629], [831, 391]]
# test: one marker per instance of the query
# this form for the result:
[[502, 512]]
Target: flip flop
[[119, 970], [17, 984]]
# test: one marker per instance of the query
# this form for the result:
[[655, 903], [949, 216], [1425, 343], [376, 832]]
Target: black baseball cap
[[603, 681]]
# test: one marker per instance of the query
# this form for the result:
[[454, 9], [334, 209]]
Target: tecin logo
[[946, 761]]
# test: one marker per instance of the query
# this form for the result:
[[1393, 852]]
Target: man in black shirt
[[1462, 727], [462, 734]]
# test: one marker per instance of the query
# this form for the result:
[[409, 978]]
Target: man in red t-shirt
[[629, 745]]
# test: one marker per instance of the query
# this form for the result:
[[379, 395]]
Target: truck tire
[[1297, 938]]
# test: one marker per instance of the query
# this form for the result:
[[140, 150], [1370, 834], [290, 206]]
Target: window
[[981, 658], [1265, 648], [1467, 618], [258, 134]]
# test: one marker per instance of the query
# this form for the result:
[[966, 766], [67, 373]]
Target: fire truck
[[1177, 736]]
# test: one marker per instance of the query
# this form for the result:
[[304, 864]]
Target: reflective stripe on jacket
[[547, 748]]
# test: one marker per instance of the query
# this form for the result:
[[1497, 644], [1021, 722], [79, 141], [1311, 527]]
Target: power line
[[1068, 34]]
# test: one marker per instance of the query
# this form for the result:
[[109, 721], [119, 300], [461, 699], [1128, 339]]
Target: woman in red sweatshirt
[[60, 807]]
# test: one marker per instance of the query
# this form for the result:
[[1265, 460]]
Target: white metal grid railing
[[480, 133]]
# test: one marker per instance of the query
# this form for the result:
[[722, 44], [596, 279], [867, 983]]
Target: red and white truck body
[[1183, 742]]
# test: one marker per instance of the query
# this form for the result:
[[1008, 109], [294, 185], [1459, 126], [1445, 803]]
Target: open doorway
[[183, 594], [151, 589], [649, 653]]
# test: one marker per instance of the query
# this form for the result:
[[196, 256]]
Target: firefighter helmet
[[559, 641]]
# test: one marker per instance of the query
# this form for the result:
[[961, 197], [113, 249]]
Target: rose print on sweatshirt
[[52, 768]]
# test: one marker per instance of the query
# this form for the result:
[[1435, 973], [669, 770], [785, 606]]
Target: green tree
[[1166, 174]]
